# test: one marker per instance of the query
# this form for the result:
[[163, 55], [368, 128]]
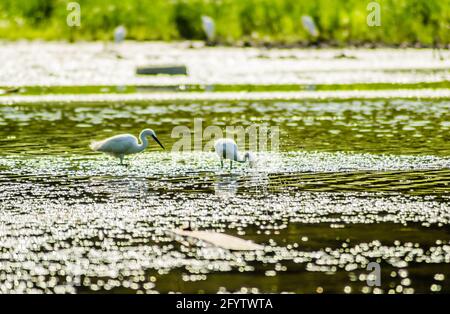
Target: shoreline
[[247, 44]]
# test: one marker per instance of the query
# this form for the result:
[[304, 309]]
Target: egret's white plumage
[[120, 32], [310, 25], [209, 27], [226, 148], [124, 144]]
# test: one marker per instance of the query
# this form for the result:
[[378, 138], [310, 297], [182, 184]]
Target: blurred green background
[[340, 22]]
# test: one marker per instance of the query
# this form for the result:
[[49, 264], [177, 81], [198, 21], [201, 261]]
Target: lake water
[[354, 181], [360, 173]]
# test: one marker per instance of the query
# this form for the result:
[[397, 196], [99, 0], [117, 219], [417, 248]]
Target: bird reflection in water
[[226, 185]]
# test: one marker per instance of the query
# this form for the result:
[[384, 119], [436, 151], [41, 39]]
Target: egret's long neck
[[144, 142], [240, 158]]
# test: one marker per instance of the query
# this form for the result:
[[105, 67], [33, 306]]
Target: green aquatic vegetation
[[129, 89], [339, 22]]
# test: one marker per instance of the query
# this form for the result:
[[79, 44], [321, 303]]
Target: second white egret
[[226, 148], [124, 144]]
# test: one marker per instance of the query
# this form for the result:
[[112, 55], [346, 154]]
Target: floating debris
[[221, 240], [162, 69], [10, 90]]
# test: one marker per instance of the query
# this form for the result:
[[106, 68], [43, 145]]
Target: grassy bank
[[340, 22]]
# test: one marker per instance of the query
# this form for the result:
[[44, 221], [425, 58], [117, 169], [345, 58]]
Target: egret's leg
[[221, 163], [231, 165]]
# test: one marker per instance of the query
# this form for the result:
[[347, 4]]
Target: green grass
[[340, 22]]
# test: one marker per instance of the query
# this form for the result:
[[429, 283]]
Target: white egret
[[209, 28], [124, 144], [226, 148], [309, 25], [120, 32]]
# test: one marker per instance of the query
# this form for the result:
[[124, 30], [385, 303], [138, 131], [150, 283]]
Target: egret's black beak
[[157, 141]]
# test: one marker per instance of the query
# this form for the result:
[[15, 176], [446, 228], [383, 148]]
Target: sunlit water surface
[[353, 182]]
